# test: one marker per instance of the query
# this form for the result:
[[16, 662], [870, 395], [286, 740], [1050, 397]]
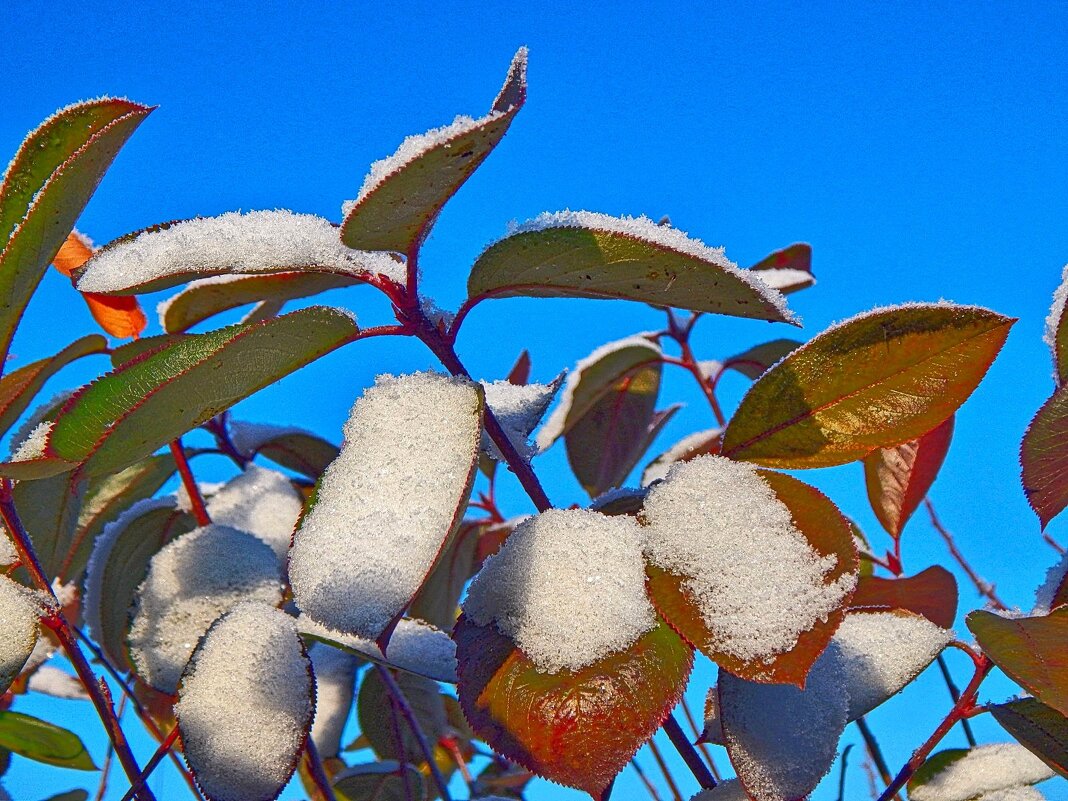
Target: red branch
[[196, 500]]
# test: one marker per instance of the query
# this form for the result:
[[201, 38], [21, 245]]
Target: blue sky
[[918, 148]]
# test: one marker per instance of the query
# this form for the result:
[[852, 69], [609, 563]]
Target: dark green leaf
[[380, 781], [1040, 728], [49, 510], [300, 451], [789, 269], [1044, 457], [754, 362], [438, 600], [43, 742], [375, 711]]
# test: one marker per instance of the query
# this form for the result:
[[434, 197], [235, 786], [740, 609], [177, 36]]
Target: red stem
[[196, 500], [681, 335], [153, 763]]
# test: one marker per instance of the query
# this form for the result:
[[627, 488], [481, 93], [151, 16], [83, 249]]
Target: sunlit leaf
[[874, 381], [1044, 456], [120, 316], [1042, 729], [931, 593], [43, 742], [787, 270]]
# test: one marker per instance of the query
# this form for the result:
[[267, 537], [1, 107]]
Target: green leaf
[[124, 354], [827, 531], [43, 742], [380, 781], [931, 593], [577, 728], [50, 181], [403, 196], [934, 765], [787, 270], [18, 389], [129, 413], [1044, 458], [203, 299], [1030, 650], [1042, 729], [754, 362], [899, 478], [586, 255], [438, 599], [374, 710], [874, 381], [71, 795], [49, 510]]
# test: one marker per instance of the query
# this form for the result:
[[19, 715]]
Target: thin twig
[[984, 587], [105, 769], [842, 775], [874, 751], [649, 786], [453, 747], [954, 693], [1052, 543], [703, 747], [681, 335], [688, 753], [315, 770], [196, 500], [659, 757], [153, 763]]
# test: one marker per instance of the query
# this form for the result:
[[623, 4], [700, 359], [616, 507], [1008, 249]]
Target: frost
[[1013, 794], [248, 243], [882, 652], [245, 704], [439, 317], [519, 409], [57, 683], [387, 503], [1056, 312], [262, 502], [783, 740], [659, 467], [335, 679], [192, 581], [415, 646], [755, 579], [33, 446], [248, 438], [664, 237], [8, 554], [568, 587], [729, 790], [984, 769], [19, 614], [1055, 577], [785, 278]]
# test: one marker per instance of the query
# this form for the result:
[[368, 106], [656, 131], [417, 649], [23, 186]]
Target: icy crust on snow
[[262, 502], [984, 769], [783, 740], [1056, 312], [882, 652], [248, 438], [192, 581], [1045, 594], [19, 615], [416, 647], [335, 680], [665, 237], [568, 587], [756, 581], [246, 243], [245, 703], [519, 409], [387, 503]]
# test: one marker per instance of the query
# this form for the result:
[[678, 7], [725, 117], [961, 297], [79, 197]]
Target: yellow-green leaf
[[43, 742]]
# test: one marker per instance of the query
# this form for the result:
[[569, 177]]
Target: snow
[[249, 243], [191, 581], [33, 446], [213, 280], [415, 646], [262, 502], [19, 614], [568, 587], [729, 790], [657, 470], [388, 502], [519, 409], [785, 278], [8, 554], [607, 499], [1053, 321], [782, 740], [206, 489], [248, 438], [1013, 794], [1055, 576], [335, 680], [245, 705], [984, 769], [556, 424], [57, 683], [882, 652], [756, 581], [664, 237]]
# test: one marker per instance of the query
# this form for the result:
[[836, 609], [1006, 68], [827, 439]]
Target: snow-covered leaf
[[262, 502], [588, 255], [751, 567], [1044, 458], [121, 317], [518, 408], [386, 507], [787, 270], [931, 593], [873, 381], [19, 616], [965, 774], [245, 705], [293, 448], [1040, 728], [52, 681], [335, 682], [1057, 330], [1054, 589]]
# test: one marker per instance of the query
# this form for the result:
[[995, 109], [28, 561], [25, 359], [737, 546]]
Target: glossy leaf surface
[[754, 362], [43, 742]]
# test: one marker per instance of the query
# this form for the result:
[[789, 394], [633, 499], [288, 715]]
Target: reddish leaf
[[1044, 457], [898, 478], [579, 728], [120, 316], [754, 362], [931, 593], [1043, 730], [1031, 650], [520, 372]]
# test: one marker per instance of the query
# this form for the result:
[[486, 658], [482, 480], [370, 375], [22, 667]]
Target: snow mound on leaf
[[519, 409], [244, 243], [1056, 311], [657, 469], [33, 446], [757, 582], [781, 740], [245, 705], [19, 615], [1013, 794], [729, 790], [190, 583], [568, 587], [386, 505], [262, 502], [335, 681], [1055, 576], [984, 769]]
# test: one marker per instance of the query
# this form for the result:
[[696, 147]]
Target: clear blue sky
[[918, 147]]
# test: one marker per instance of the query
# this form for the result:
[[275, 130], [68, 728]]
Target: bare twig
[[875, 753], [954, 693], [842, 774], [649, 786], [405, 709], [153, 763], [984, 587], [316, 772], [681, 335], [105, 769], [654, 749], [688, 753], [703, 747]]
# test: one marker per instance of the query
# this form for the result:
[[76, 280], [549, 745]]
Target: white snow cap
[[245, 705], [262, 502], [1055, 576], [519, 409], [568, 587], [192, 581], [785, 278], [729, 790], [49, 680], [33, 446], [984, 769], [757, 582], [19, 615], [335, 681], [245, 243], [657, 469], [8, 554], [1053, 320], [1025, 793], [388, 502], [782, 740]]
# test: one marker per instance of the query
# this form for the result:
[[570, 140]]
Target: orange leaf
[[120, 316], [931, 593]]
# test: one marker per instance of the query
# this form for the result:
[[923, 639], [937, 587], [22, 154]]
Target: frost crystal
[[984, 769], [191, 582], [33, 446], [659, 467], [386, 505], [8, 554], [568, 587], [518, 409], [785, 278], [245, 704], [335, 679], [19, 614], [757, 582], [1055, 576], [249, 243], [262, 502]]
